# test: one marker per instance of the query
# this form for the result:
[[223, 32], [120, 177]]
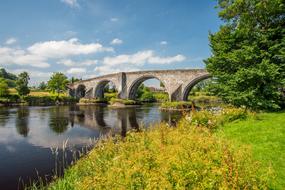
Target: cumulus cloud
[[163, 43], [108, 69], [60, 49], [138, 58], [116, 41], [166, 60], [71, 3], [136, 61], [39, 54], [11, 41], [21, 57], [141, 58], [76, 70], [69, 62]]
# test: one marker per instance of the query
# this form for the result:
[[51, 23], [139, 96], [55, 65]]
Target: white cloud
[[133, 62], [114, 19], [108, 69], [39, 54], [76, 70], [142, 57], [60, 49], [21, 57], [166, 60], [116, 41], [163, 43], [11, 41], [69, 62], [71, 3], [138, 58]]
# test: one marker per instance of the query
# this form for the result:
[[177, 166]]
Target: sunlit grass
[[265, 133], [163, 157]]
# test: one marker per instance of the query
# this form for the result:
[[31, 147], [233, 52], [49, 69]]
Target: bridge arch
[[99, 88], [192, 83], [136, 83], [80, 91]]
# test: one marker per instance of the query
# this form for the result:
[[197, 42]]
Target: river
[[32, 139]]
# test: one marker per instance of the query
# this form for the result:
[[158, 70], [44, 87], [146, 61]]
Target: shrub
[[92, 100], [176, 105], [233, 114], [123, 101], [147, 97], [204, 118], [212, 119], [161, 96], [109, 96]]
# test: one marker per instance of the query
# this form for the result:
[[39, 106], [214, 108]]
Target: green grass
[[265, 133]]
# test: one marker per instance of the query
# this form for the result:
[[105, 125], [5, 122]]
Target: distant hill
[[10, 78]]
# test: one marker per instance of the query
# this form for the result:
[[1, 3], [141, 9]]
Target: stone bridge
[[177, 83]]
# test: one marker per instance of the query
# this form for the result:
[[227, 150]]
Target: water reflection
[[4, 115], [49, 127], [22, 121], [58, 121]]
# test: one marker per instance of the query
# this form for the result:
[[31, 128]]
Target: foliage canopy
[[22, 84], [248, 53], [4, 91], [57, 82]]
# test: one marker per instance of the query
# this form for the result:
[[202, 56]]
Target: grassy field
[[266, 136], [187, 156], [36, 93]]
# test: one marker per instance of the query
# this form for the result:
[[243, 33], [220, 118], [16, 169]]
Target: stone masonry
[[178, 83]]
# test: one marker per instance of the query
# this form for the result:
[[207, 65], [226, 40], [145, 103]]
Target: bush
[[92, 100], [161, 96], [212, 119], [147, 97], [123, 101], [233, 114], [176, 105], [109, 96]]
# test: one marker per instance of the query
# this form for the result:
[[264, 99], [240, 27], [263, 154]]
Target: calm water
[[32, 138]]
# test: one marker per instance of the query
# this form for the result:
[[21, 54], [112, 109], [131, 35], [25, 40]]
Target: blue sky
[[87, 38]]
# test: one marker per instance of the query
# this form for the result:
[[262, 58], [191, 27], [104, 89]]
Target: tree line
[[56, 84]]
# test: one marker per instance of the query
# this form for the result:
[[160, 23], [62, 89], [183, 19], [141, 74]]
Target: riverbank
[[37, 100], [224, 151]]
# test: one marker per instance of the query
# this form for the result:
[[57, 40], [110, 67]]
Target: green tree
[[57, 83], [248, 53], [9, 77], [4, 90], [22, 84], [42, 86]]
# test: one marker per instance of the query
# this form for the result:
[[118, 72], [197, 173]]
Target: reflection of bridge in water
[[119, 121]]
